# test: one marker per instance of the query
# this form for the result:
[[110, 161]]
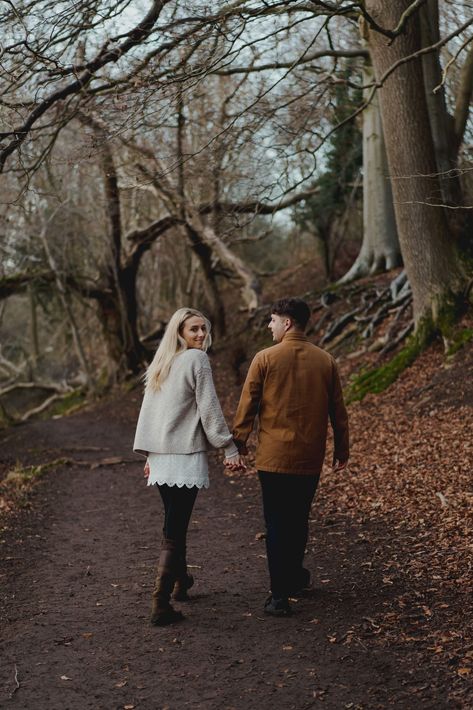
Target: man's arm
[[339, 420], [248, 406]]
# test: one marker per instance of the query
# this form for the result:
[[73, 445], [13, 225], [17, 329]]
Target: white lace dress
[[182, 469]]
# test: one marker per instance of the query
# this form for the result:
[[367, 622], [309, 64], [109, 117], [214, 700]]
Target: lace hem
[[179, 484]]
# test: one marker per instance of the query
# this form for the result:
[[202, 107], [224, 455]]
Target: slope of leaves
[[411, 472]]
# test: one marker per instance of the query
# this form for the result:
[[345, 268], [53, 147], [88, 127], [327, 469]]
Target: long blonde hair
[[171, 345]]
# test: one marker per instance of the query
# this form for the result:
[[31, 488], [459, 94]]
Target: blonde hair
[[171, 345]]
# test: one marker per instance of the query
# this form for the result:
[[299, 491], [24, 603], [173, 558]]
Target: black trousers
[[287, 499], [178, 505]]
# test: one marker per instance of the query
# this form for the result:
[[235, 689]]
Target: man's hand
[[235, 463], [339, 465], [146, 470]]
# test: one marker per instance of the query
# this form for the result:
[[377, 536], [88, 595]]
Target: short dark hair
[[294, 308]]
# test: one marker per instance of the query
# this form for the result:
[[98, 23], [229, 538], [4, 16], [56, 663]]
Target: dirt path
[[76, 577]]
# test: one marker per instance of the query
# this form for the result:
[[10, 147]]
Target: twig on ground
[[16, 681]]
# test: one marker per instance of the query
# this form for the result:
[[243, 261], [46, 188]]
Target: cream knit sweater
[[184, 415]]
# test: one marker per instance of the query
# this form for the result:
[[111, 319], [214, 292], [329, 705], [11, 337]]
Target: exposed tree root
[[371, 312], [60, 391]]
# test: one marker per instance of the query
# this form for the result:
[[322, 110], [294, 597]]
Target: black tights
[[178, 505]]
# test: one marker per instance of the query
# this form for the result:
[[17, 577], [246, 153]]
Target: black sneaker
[[303, 586], [277, 607]]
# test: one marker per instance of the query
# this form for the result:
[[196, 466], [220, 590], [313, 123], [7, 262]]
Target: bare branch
[[11, 285], [133, 38], [408, 12], [347, 53]]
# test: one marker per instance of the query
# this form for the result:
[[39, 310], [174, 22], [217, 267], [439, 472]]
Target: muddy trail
[[78, 566]]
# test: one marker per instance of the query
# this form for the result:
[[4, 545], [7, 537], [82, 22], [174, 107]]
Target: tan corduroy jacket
[[294, 389]]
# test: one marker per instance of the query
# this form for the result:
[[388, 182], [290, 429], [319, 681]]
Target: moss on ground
[[380, 378], [461, 338], [67, 405]]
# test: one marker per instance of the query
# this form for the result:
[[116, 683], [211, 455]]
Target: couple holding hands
[[293, 389]]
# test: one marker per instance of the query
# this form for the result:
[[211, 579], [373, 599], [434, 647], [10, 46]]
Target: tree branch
[[257, 206], [133, 38], [392, 34], [349, 53], [12, 285]]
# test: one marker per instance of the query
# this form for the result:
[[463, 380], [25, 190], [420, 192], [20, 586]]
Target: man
[[294, 389]]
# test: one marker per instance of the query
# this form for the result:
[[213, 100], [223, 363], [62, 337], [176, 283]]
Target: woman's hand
[[235, 463], [146, 469]]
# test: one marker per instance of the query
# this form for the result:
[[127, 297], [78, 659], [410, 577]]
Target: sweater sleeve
[[249, 403], [211, 416], [338, 418]]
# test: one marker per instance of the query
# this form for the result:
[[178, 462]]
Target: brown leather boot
[[162, 613], [183, 582]]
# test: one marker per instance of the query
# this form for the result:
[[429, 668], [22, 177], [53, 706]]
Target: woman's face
[[194, 331]]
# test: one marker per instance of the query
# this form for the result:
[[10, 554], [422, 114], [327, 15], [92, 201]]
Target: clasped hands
[[235, 463]]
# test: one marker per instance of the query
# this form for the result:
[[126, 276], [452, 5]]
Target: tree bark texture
[[441, 123], [428, 253], [380, 247]]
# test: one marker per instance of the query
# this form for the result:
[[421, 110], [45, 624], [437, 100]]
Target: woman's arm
[[211, 415]]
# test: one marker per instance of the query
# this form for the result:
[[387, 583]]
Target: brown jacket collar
[[293, 335]]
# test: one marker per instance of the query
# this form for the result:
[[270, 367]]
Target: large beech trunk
[[428, 253], [380, 247]]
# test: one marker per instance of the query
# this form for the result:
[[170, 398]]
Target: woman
[[179, 418]]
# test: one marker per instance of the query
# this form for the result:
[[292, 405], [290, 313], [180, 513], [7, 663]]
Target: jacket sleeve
[[338, 418], [142, 434], [211, 415], [249, 403]]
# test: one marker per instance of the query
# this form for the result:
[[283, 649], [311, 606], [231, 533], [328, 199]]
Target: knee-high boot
[[184, 580], [162, 613]]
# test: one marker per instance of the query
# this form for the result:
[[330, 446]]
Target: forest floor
[[389, 623]]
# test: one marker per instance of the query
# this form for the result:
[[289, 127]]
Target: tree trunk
[[217, 259], [441, 123], [429, 255], [380, 247], [117, 311], [33, 328], [63, 296]]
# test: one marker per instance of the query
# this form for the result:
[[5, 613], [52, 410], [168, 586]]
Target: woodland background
[[222, 155], [155, 154]]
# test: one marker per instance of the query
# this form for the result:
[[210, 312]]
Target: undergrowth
[[16, 486]]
